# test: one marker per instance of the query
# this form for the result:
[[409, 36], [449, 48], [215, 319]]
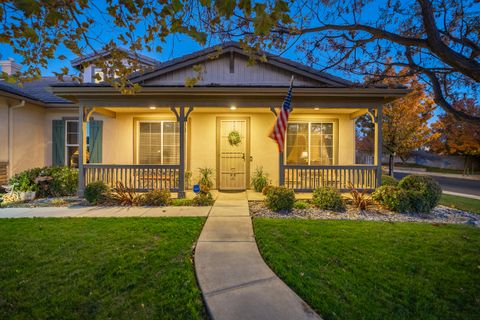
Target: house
[[150, 139]]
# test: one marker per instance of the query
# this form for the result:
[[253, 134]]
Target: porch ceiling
[[236, 111]]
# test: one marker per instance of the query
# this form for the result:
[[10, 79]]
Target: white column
[[378, 142], [82, 149]]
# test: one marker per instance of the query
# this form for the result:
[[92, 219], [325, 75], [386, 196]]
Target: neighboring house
[[149, 139]]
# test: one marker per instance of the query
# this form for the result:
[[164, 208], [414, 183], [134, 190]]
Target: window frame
[[67, 145], [137, 139], [335, 135]]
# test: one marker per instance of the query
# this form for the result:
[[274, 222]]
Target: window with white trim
[[99, 72], [158, 142], [310, 143], [72, 142]]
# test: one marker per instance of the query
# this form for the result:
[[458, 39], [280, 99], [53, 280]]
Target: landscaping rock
[[440, 214]]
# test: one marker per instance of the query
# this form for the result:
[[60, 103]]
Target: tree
[[405, 120], [436, 40], [454, 137]]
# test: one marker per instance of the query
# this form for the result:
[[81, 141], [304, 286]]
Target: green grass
[[374, 270], [466, 204], [115, 268]]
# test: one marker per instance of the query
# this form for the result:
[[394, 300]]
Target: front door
[[232, 153]]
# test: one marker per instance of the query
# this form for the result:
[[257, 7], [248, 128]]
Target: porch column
[[82, 148], [378, 143], [281, 174], [181, 178]]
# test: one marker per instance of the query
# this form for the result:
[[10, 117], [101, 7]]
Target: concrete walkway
[[235, 281], [95, 212]]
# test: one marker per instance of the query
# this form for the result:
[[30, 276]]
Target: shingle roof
[[77, 62], [38, 90]]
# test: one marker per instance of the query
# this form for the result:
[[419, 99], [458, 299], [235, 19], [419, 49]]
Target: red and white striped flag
[[280, 127]]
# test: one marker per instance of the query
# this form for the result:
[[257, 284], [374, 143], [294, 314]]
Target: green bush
[[300, 205], [181, 202], [96, 192], [389, 181], [259, 179], [280, 199], [57, 182], [424, 192], [392, 198], [157, 198], [203, 199], [328, 198]]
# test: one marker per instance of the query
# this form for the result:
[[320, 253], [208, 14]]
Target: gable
[[234, 71], [231, 68]]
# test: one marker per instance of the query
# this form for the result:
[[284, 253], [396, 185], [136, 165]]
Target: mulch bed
[[441, 214]]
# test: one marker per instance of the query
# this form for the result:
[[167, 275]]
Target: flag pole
[[281, 164]]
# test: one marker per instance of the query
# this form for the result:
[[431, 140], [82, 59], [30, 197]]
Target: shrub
[[181, 202], [266, 189], [123, 196], [328, 198], [300, 205], [47, 181], [95, 192], [360, 199], [424, 192], [259, 179], [203, 199], [25, 180], [389, 181], [392, 198], [280, 199], [156, 198]]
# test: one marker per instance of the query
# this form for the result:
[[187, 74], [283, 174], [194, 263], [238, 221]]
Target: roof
[[77, 62], [38, 90], [203, 55]]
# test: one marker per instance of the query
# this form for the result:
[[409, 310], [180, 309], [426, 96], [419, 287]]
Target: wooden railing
[[308, 178], [134, 177]]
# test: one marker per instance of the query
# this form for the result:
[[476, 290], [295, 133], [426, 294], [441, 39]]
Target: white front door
[[233, 154]]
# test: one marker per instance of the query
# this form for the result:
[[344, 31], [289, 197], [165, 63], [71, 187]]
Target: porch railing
[[308, 178], [135, 177]]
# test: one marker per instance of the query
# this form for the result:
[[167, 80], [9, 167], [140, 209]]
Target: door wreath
[[234, 138]]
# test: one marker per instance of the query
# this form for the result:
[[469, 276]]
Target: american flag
[[280, 127]]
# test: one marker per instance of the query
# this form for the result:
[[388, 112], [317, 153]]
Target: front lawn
[[376, 270], [462, 203], [85, 268]]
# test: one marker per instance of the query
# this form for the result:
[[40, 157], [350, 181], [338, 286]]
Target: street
[[452, 184]]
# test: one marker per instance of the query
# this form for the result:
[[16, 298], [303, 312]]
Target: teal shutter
[[96, 135], [58, 143]]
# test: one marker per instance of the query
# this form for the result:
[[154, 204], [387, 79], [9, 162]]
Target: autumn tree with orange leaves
[[405, 120], [454, 137]]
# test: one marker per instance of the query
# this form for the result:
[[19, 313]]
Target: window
[[310, 143], [158, 142], [72, 142], [98, 71]]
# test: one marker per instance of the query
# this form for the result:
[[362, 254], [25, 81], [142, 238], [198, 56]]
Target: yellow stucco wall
[[3, 130], [28, 137], [33, 137]]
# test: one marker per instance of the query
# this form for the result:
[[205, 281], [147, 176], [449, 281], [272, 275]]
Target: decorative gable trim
[[233, 49]]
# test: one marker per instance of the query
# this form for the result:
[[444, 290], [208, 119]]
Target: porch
[[291, 169]]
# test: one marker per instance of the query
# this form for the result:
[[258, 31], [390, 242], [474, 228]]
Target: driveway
[[458, 185]]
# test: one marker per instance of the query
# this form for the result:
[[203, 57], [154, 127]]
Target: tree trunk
[[390, 165]]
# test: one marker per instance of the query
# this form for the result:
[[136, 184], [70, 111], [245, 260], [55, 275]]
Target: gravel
[[441, 214]]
